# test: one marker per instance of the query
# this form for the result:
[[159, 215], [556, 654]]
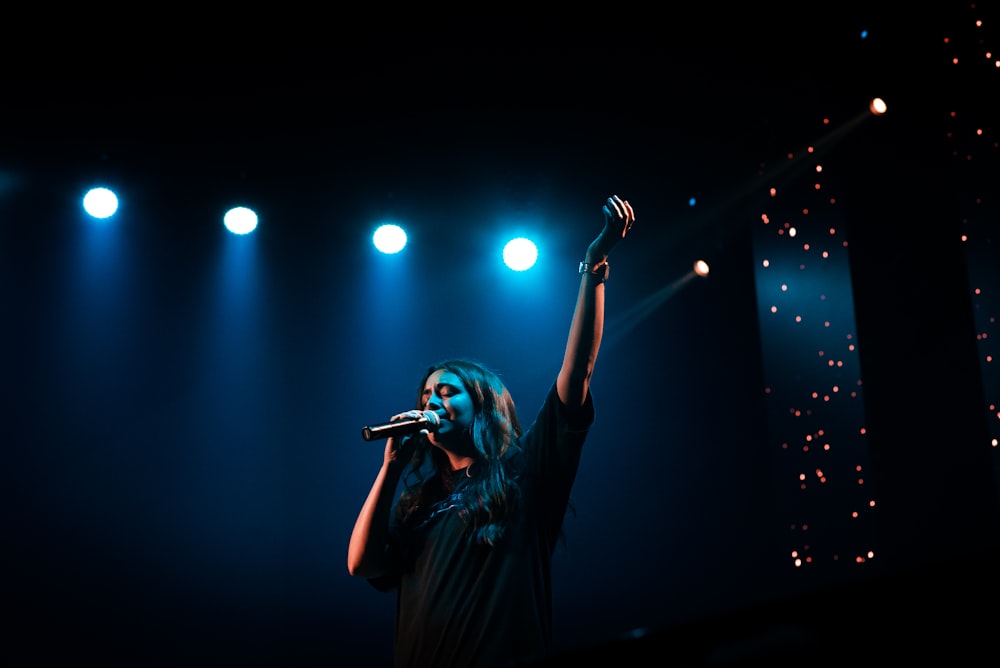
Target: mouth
[[442, 418]]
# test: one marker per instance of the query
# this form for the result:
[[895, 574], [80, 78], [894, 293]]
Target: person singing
[[467, 542]]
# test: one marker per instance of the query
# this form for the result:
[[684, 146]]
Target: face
[[444, 390]]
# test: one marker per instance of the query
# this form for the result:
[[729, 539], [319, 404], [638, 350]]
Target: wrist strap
[[598, 271]]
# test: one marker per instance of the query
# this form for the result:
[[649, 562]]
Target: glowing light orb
[[520, 254], [389, 239], [240, 220], [100, 202]]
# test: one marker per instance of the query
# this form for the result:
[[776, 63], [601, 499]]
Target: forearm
[[366, 553], [583, 342]]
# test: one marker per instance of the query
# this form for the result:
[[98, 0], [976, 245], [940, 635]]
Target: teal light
[[389, 238], [100, 202], [240, 220], [520, 254]]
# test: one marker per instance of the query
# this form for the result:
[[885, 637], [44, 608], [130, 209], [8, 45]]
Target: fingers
[[629, 216], [623, 210], [614, 204], [620, 210], [627, 208]]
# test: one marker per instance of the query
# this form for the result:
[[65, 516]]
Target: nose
[[436, 404]]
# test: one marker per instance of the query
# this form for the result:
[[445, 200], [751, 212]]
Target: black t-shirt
[[464, 604]]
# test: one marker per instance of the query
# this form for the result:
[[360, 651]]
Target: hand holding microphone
[[415, 422]]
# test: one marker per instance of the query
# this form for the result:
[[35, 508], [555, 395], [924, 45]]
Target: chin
[[442, 439]]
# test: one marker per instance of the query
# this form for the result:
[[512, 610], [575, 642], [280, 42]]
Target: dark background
[[183, 456]]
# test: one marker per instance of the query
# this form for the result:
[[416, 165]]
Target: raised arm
[[587, 326]]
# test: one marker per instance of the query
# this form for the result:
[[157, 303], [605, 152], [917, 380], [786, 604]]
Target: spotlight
[[389, 238], [100, 202], [240, 220], [520, 254]]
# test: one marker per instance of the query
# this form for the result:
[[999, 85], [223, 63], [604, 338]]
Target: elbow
[[359, 570], [363, 570], [355, 558], [356, 564], [362, 567]]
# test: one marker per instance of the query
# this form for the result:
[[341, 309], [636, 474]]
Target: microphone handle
[[397, 428]]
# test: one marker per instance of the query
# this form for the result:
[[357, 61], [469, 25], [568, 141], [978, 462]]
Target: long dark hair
[[492, 490]]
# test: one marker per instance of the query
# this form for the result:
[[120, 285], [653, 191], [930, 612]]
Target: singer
[[467, 540]]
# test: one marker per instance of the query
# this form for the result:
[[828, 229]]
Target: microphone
[[429, 421]]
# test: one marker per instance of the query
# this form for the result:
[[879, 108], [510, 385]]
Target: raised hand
[[618, 220]]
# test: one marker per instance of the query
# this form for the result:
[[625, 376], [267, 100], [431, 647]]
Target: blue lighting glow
[[389, 238], [520, 254], [240, 220], [100, 203]]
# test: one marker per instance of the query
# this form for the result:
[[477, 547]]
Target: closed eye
[[443, 390]]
